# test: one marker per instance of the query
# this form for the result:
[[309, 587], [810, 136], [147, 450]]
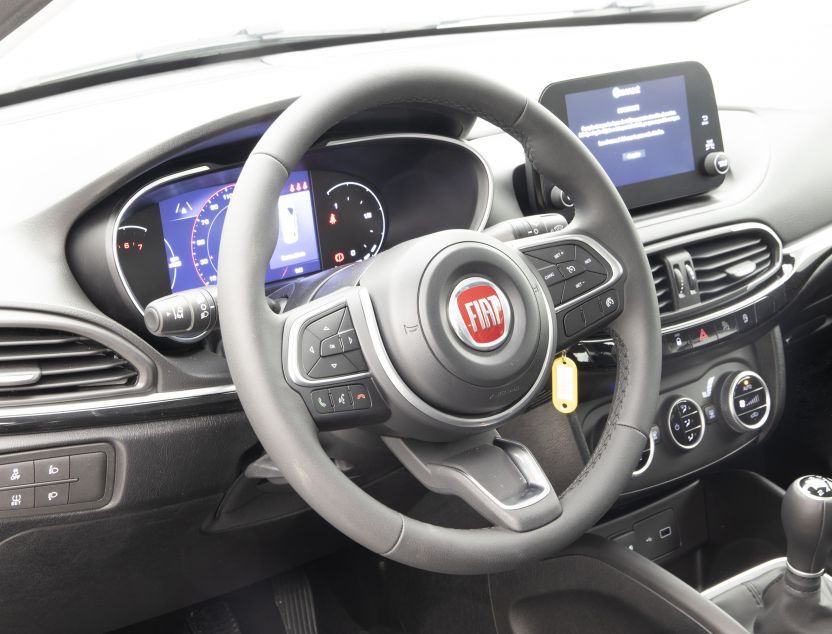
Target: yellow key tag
[[565, 385]]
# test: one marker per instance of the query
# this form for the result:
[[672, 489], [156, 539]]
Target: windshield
[[68, 37]]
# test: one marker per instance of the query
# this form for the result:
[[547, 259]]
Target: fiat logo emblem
[[479, 313]]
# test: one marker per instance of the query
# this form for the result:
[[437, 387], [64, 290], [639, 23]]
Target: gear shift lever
[[807, 521]]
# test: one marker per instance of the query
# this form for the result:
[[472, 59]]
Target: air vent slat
[[722, 247], [717, 262], [58, 363], [662, 284]]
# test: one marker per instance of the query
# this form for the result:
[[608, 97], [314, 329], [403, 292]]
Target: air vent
[[35, 361], [713, 266], [730, 263], [662, 282]]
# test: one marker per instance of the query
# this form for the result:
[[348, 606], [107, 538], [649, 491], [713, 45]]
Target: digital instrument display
[[192, 225], [170, 241], [649, 128]]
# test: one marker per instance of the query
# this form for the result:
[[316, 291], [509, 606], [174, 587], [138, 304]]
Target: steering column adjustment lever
[[191, 313]]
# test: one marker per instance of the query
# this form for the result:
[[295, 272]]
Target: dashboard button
[[764, 308], [52, 469], [746, 319], [726, 327], [328, 325], [676, 342], [310, 351], [750, 401], [580, 284], [701, 336], [573, 322], [589, 262], [753, 418], [341, 399], [321, 402], [14, 499], [685, 423], [53, 495], [17, 473], [349, 340], [91, 471], [360, 397], [556, 254], [331, 345], [336, 365], [710, 413]]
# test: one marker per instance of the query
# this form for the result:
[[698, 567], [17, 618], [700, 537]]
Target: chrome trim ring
[[457, 319], [701, 423], [732, 410], [651, 449]]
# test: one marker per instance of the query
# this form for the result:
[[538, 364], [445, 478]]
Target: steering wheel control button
[[580, 284], [589, 262], [550, 274], [310, 351], [593, 310], [17, 473], [321, 401], [701, 336], [52, 469], [360, 397], [54, 495], [341, 399], [685, 423], [328, 367], [554, 255], [745, 401], [327, 326], [16, 499], [479, 313], [357, 359], [349, 341], [570, 269], [331, 345], [573, 322]]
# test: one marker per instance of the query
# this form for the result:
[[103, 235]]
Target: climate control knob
[[685, 423], [744, 401]]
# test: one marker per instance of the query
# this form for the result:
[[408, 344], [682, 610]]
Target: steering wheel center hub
[[480, 313]]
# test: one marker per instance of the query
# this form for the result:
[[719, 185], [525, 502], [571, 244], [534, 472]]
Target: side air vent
[[37, 361], [730, 263], [664, 293], [713, 267]]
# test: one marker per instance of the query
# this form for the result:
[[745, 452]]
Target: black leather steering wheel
[[456, 333]]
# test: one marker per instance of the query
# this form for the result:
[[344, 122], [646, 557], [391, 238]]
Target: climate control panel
[[744, 401], [685, 423]]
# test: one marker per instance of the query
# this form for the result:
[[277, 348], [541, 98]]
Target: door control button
[[17, 473], [52, 495], [52, 469], [15, 499]]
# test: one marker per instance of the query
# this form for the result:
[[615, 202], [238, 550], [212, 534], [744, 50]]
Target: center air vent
[[36, 361], [724, 264]]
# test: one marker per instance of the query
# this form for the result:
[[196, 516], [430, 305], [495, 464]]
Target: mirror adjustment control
[[685, 423], [744, 401]]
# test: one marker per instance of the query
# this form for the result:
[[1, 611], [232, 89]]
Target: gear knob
[[807, 522]]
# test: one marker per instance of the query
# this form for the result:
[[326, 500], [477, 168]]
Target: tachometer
[[206, 232], [352, 225]]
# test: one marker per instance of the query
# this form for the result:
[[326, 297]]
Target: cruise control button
[[54, 495], [573, 322], [570, 269], [341, 399], [580, 284], [593, 311], [726, 327], [14, 499], [609, 301], [310, 351], [321, 402], [328, 325], [703, 335], [349, 340], [556, 254], [17, 473], [360, 397], [550, 275], [336, 365], [331, 345], [589, 262], [52, 469]]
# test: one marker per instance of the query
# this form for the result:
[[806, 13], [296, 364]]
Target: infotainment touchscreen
[[651, 129]]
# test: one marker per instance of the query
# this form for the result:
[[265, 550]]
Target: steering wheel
[[436, 342]]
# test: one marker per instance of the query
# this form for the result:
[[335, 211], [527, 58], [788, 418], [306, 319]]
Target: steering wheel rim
[[253, 335]]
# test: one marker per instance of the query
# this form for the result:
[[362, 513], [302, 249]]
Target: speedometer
[[206, 232], [352, 225]]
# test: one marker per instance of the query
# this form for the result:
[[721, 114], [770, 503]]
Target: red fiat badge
[[479, 313]]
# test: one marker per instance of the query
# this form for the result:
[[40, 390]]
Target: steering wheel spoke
[[498, 478], [584, 279]]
